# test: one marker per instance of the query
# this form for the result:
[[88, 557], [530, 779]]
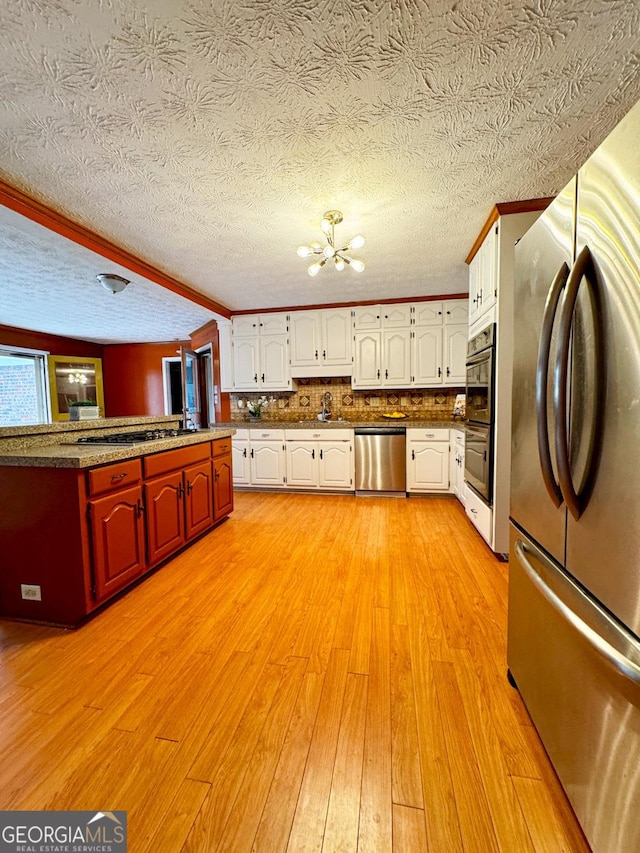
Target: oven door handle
[[479, 357], [542, 374]]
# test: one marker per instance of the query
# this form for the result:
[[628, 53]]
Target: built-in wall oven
[[478, 457]]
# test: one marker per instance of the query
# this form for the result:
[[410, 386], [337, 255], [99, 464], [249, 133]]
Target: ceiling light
[[331, 251], [113, 283]]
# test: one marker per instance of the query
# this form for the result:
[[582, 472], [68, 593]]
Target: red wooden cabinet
[[179, 504], [117, 540], [70, 539], [164, 505], [222, 486], [198, 504]]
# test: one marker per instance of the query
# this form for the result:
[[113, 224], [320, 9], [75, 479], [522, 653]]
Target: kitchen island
[[79, 523]]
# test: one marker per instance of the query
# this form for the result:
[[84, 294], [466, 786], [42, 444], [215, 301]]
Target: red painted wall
[[54, 344], [133, 378]]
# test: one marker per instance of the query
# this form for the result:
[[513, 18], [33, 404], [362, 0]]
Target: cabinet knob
[[439, 371], [263, 378], [413, 454]]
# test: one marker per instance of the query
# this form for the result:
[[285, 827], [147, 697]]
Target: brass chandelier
[[332, 252]]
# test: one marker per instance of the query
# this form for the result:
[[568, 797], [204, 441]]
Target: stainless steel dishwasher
[[380, 460]]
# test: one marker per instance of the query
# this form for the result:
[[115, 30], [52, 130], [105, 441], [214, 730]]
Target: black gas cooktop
[[129, 438]]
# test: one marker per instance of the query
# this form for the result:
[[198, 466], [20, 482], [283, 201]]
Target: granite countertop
[[313, 424], [72, 455]]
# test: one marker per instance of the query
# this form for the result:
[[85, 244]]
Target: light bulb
[[357, 242], [326, 226], [316, 248], [339, 263], [329, 252], [304, 251], [314, 269], [358, 266]]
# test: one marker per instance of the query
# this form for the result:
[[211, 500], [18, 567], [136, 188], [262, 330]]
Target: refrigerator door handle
[[582, 268], [610, 640], [542, 373]]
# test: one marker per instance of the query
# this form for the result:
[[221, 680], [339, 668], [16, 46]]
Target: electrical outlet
[[30, 591]]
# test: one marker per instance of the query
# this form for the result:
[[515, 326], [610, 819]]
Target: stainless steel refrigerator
[[574, 589]]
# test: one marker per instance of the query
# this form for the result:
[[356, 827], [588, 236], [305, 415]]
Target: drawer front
[[109, 478], [458, 437], [266, 434], [414, 434], [221, 446], [241, 434], [326, 434], [480, 514], [172, 460]]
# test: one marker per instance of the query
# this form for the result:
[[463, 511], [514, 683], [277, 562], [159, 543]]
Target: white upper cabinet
[[305, 338], [245, 325], [321, 342], [427, 314], [367, 317], [396, 316], [367, 360], [483, 282], [455, 354], [427, 356], [261, 355], [396, 358], [455, 312]]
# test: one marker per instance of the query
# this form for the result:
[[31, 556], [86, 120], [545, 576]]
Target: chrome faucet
[[327, 399]]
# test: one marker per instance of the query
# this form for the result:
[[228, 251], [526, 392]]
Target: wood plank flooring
[[320, 673]]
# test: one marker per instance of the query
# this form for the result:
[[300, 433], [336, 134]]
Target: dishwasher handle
[[380, 430]]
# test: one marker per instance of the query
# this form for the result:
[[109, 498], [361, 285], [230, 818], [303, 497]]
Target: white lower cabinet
[[258, 458], [319, 459], [240, 458], [428, 468], [481, 516], [457, 465]]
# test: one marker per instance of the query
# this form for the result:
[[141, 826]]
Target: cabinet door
[[337, 337], [336, 464], [164, 503], [246, 325], [117, 540], [367, 317], [427, 357], [305, 338], [474, 286], [367, 360], [396, 316], [488, 271], [245, 363], [274, 363], [267, 463], [302, 464], [222, 486], [273, 324], [428, 466], [396, 358], [456, 312], [427, 314], [240, 455], [198, 503], [455, 354]]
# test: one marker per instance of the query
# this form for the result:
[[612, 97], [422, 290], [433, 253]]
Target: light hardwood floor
[[319, 673]]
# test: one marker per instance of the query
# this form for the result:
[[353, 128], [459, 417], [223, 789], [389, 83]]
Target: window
[[24, 397]]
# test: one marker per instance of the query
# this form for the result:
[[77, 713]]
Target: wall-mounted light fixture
[[113, 283]]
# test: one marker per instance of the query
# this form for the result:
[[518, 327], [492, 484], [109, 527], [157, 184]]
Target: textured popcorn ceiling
[[209, 137]]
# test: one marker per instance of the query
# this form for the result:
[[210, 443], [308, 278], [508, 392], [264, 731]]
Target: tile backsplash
[[306, 402]]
